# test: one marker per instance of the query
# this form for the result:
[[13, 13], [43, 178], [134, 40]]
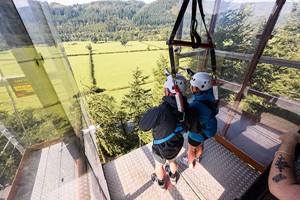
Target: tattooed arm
[[282, 177]]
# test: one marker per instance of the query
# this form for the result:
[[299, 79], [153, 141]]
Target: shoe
[[168, 172], [154, 179], [184, 160], [198, 160]]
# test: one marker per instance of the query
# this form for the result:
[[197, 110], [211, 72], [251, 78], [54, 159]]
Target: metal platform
[[51, 172], [220, 175]]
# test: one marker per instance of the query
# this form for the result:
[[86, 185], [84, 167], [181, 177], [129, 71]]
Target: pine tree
[[233, 31], [286, 44], [160, 78], [112, 138], [92, 67], [137, 102]]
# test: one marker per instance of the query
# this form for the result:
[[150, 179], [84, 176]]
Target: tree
[[160, 78], [233, 31], [137, 102], [112, 138], [286, 44], [124, 40], [92, 67]]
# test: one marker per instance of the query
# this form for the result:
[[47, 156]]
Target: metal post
[[266, 35]]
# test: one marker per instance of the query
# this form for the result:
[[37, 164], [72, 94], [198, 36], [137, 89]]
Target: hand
[[290, 138]]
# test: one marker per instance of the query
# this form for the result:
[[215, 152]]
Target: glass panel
[[271, 97], [39, 95], [235, 26], [235, 34], [51, 52], [285, 39]]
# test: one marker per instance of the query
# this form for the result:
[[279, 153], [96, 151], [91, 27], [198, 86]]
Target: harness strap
[[193, 27], [178, 20], [203, 135], [178, 129], [173, 34]]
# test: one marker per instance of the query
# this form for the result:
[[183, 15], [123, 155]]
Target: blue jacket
[[204, 115]]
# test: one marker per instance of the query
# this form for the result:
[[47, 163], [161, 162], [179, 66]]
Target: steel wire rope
[[3, 150], [7, 162], [15, 108]]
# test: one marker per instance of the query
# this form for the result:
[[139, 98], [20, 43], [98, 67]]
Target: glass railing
[[266, 93], [39, 100]]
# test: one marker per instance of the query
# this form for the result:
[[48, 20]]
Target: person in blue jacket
[[204, 105], [167, 127]]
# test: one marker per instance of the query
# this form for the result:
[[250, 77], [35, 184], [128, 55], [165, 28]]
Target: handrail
[[289, 103], [247, 57]]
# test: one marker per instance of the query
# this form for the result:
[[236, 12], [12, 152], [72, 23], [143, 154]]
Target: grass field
[[113, 70], [113, 66]]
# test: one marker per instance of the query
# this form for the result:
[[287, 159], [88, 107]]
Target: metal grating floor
[[50, 173], [220, 175]]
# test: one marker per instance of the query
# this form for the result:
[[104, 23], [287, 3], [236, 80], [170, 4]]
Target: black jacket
[[163, 120]]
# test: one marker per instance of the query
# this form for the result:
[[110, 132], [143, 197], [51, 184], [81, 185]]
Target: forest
[[133, 20], [113, 20]]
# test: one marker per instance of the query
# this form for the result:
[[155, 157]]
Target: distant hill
[[135, 20], [162, 12]]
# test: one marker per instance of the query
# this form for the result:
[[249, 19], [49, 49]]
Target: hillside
[[111, 20], [135, 20]]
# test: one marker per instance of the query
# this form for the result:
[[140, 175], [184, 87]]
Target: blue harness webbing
[[178, 129]]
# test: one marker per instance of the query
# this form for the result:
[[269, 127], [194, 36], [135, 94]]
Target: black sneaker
[[168, 172], [154, 179]]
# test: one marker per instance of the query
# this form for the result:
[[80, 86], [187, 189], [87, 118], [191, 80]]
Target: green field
[[113, 66], [113, 70]]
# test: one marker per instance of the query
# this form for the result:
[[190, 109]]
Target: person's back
[[203, 106], [206, 124], [167, 131], [164, 120]]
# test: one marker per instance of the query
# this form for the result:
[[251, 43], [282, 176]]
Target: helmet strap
[[179, 99], [167, 92]]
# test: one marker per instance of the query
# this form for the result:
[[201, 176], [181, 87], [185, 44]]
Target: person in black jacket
[[167, 127]]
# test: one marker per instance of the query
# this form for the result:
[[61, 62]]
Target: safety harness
[[178, 130], [194, 43]]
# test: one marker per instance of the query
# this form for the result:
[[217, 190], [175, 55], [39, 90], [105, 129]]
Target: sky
[[71, 2]]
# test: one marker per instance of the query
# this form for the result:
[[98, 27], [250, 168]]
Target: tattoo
[[278, 178], [281, 164]]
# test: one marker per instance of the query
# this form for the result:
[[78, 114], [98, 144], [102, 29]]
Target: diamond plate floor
[[220, 175], [51, 173]]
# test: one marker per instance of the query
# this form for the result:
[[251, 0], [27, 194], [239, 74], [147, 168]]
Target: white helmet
[[202, 80], [180, 81]]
